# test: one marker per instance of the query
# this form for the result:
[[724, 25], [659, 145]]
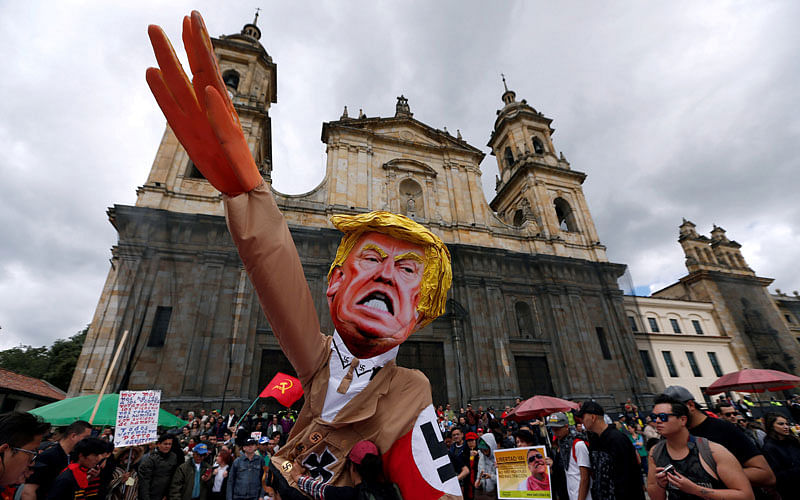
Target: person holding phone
[[684, 467]]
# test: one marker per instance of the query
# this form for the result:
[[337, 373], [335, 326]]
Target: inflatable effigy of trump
[[389, 278]]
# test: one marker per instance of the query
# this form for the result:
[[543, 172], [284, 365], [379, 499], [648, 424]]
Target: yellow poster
[[523, 473]]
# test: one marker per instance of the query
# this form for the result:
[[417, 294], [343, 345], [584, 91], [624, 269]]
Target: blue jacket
[[244, 479]]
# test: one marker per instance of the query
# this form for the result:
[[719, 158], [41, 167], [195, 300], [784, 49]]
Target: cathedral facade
[[535, 307]]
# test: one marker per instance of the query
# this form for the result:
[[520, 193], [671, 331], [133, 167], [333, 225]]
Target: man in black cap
[[723, 432], [615, 463]]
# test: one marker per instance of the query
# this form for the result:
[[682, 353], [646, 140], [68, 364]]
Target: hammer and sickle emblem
[[284, 386]]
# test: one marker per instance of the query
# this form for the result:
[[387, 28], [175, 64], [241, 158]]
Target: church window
[[648, 363], [524, 320], [670, 363], [693, 364], [565, 215], [712, 356], [653, 325], [411, 198], [697, 328], [231, 79], [508, 156], [601, 337], [158, 333], [676, 327], [538, 146], [192, 171], [519, 217]]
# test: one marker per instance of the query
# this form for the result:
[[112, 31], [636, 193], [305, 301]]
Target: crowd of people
[[678, 451]]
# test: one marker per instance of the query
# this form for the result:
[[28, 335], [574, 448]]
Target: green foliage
[[54, 364]]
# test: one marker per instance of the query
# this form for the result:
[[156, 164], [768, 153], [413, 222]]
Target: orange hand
[[200, 112]]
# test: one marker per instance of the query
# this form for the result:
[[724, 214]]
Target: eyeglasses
[[661, 416], [31, 453], [534, 457]]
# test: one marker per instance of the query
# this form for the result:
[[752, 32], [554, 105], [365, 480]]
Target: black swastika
[[437, 450], [317, 465]]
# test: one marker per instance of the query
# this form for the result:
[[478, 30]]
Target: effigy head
[[389, 278]]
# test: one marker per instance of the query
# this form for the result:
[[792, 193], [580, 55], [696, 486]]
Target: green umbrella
[[66, 411]]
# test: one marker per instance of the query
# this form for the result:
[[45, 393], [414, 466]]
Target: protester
[[637, 439], [52, 461], [650, 431], [472, 457], [73, 482], [486, 482], [219, 484], [156, 469], [190, 481], [244, 478], [723, 432], [614, 460], [125, 480], [20, 436], [366, 472], [699, 468], [573, 457], [782, 450]]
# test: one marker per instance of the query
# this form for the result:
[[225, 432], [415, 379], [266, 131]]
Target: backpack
[[661, 457]]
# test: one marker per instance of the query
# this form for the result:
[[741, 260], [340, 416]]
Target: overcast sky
[[673, 109]]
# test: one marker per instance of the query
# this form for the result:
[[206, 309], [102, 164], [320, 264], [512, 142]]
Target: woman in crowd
[[782, 450], [637, 438], [472, 457], [219, 483], [486, 481], [125, 476], [194, 428]]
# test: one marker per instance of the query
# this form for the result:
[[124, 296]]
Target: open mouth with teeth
[[379, 301]]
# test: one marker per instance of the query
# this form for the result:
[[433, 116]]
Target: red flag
[[285, 388]]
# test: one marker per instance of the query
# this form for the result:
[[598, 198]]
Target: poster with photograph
[[523, 473]]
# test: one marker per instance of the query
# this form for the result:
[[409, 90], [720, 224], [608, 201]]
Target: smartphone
[[669, 469]]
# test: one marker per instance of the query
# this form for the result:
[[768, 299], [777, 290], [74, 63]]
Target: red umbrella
[[540, 406], [754, 380]]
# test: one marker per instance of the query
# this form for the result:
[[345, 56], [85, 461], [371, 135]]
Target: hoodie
[[488, 465]]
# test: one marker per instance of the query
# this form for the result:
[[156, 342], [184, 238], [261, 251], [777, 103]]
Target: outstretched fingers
[[225, 125], [207, 70], [172, 72]]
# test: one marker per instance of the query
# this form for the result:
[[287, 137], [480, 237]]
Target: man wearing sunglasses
[[20, 435], [686, 467], [720, 431], [574, 457]]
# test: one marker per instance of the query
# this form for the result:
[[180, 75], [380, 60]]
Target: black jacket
[[784, 458], [155, 475]]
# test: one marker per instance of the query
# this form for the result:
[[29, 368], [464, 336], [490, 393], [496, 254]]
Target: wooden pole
[[108, 375]]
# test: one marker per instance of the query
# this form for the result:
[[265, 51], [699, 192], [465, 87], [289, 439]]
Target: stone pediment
[[407, 134], [410, 166]]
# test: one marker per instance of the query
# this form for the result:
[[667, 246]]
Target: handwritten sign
[[137, 418]]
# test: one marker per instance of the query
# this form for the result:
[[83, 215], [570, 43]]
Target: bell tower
[[536, 189], [250, 76]]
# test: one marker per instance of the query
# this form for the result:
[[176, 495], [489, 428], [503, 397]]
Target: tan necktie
[[345, 383]]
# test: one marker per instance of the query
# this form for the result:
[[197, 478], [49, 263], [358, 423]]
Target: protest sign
[[523, 473], [255, 435], [137, 418]]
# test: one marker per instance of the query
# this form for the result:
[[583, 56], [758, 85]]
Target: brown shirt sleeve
[[270, 259]]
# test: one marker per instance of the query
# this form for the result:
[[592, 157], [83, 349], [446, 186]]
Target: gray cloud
[[674, 110]]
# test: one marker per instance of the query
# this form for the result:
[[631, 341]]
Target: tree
[[54, 364]]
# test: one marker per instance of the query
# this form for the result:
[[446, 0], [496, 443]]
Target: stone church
[[534, 308]]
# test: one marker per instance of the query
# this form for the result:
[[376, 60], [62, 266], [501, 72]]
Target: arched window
[[508, 156], [519, 217], [524, 320], [411, 199], [538, 146], [192, 172], [565, 215], [231, 79]]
